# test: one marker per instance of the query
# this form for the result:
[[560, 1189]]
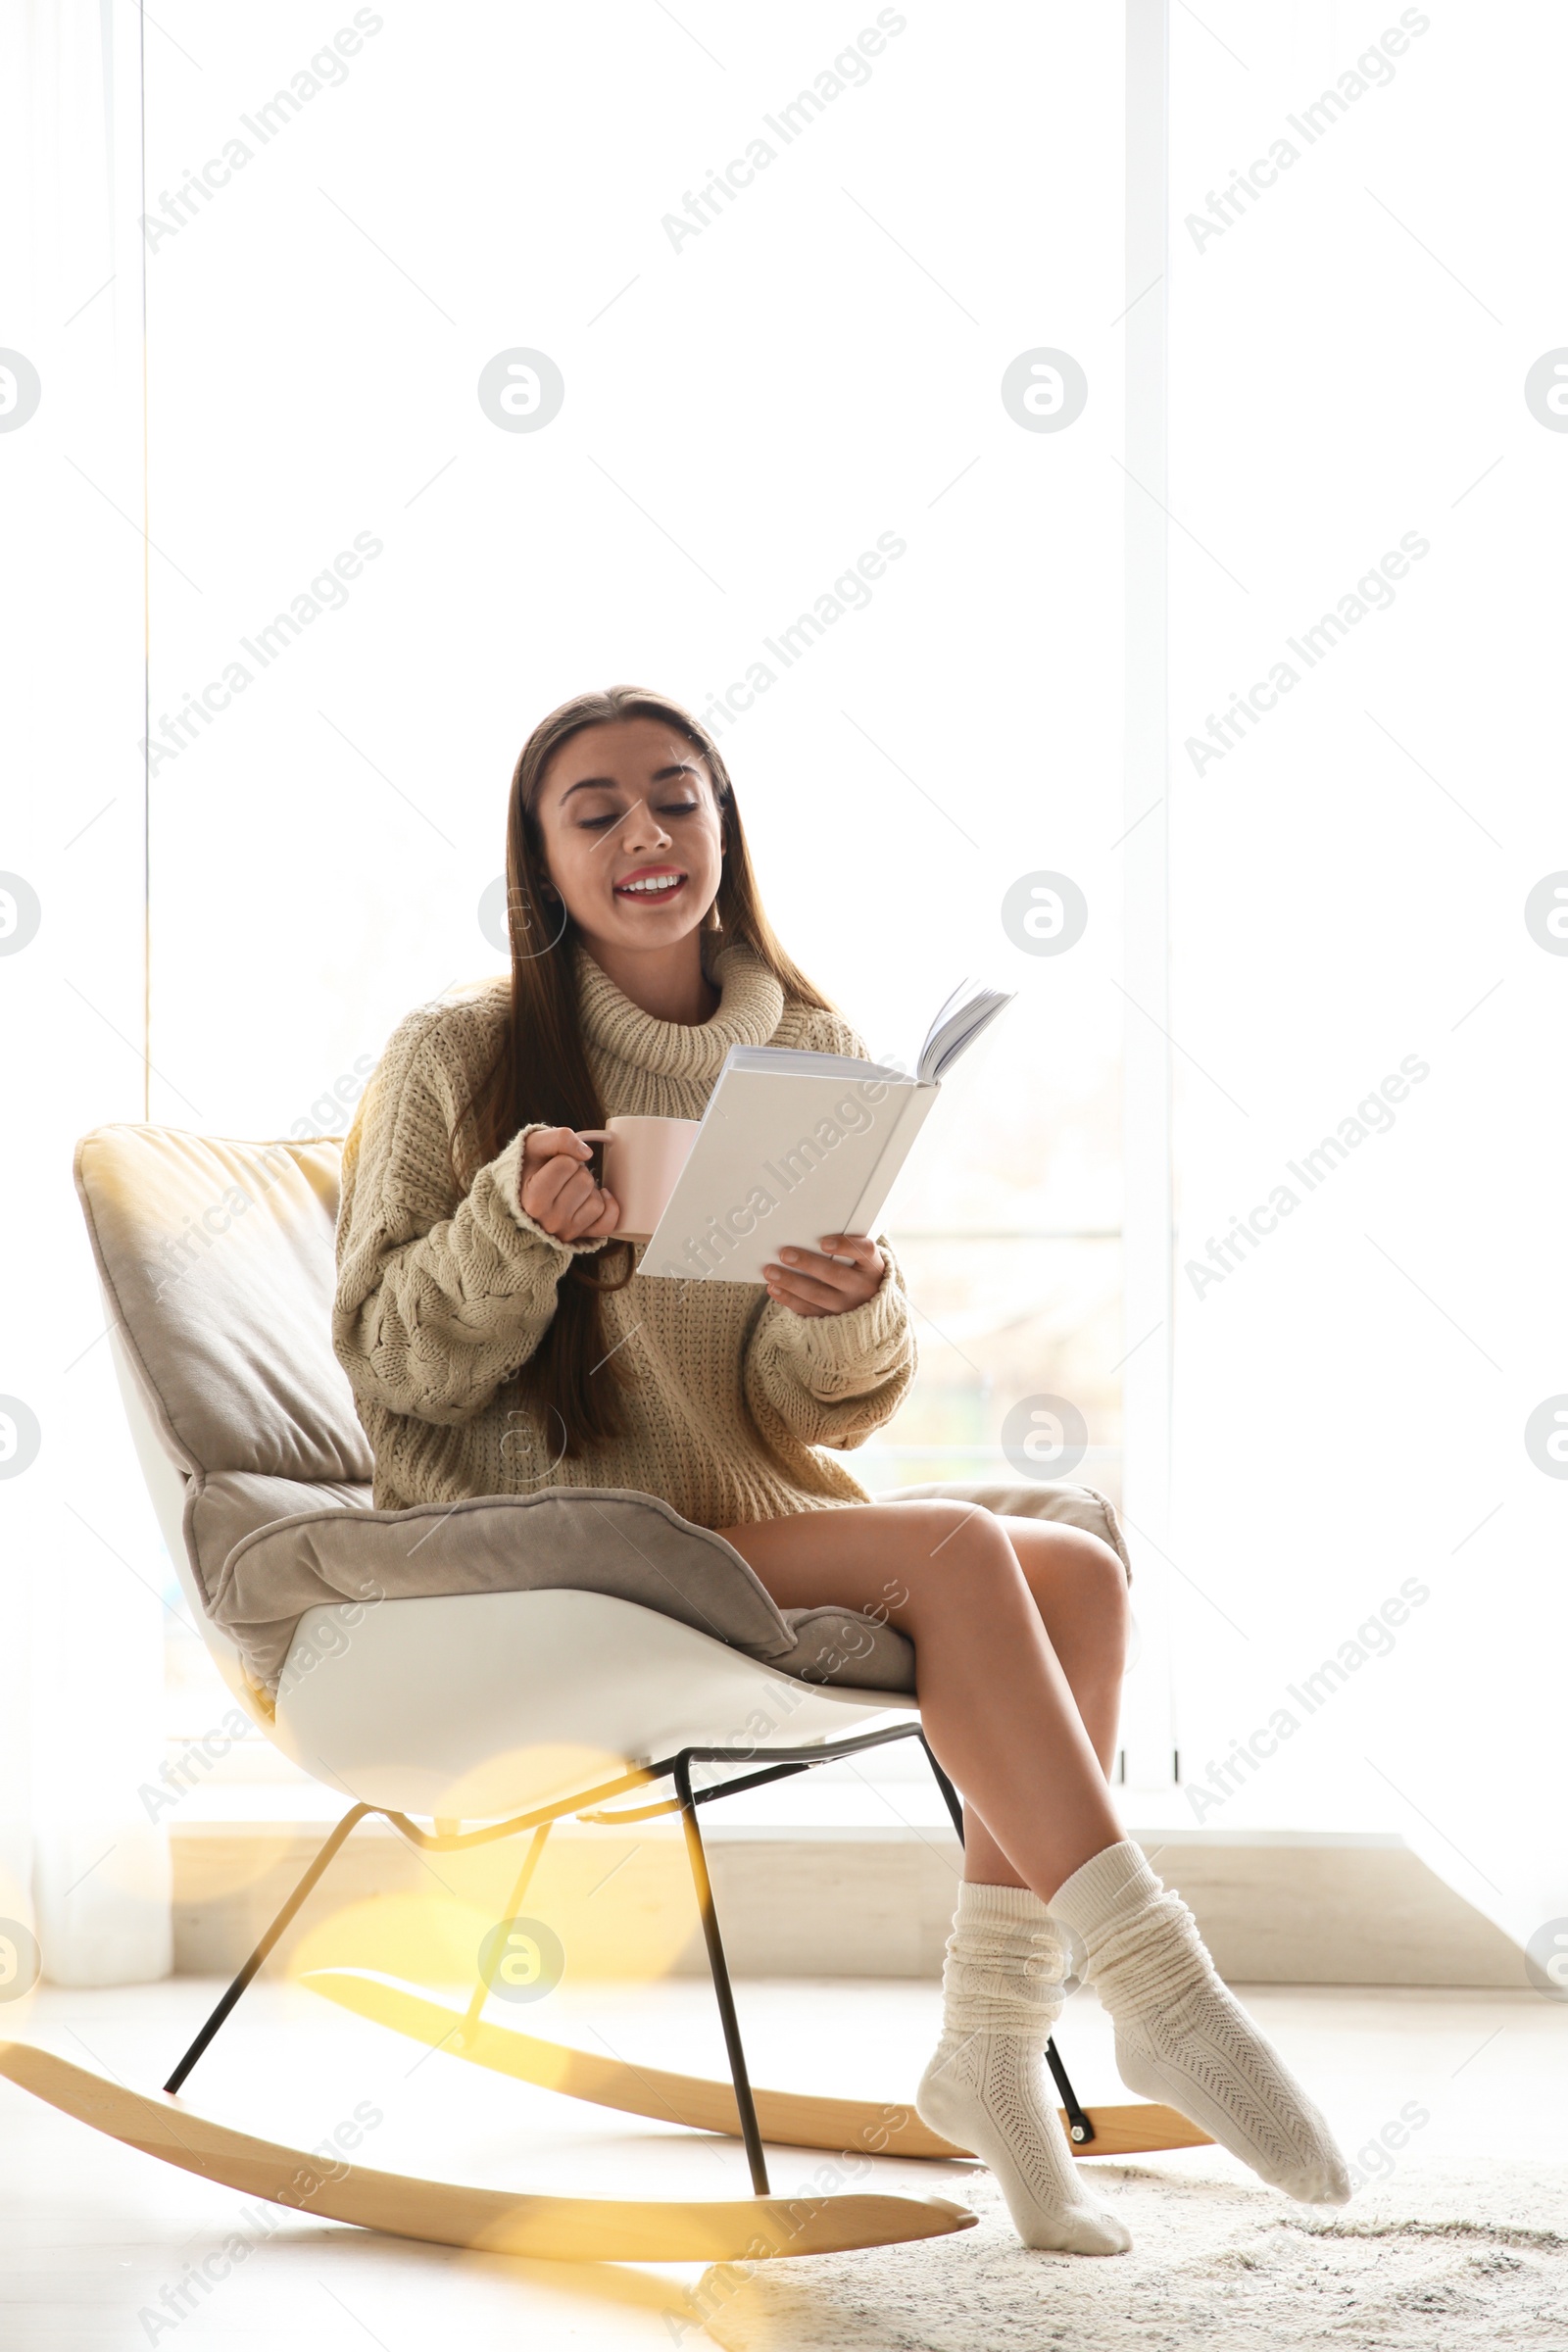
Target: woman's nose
[[640, 829]]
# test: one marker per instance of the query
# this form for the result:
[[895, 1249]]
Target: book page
[[781, 1159]]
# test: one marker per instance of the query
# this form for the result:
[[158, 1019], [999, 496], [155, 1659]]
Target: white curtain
[[1366, 252], [82, 1867]]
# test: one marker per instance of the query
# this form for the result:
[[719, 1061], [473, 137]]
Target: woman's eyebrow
[[661, 775]]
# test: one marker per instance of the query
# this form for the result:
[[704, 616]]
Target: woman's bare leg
[[1080, 1590], [1016, 1663], [986, 1602], [1018, 1643]]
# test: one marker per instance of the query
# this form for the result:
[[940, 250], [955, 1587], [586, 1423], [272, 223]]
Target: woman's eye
[[602, 825]]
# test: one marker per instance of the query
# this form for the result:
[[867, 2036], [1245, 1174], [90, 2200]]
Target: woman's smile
[[654, 885]]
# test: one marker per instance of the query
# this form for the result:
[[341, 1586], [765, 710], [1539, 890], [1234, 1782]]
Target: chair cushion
[[218, 1261], [222, 1509], [840, 1646], [590, 1540], [581, 1539]]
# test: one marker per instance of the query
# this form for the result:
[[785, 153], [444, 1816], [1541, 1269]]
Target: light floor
[[91, 2235]]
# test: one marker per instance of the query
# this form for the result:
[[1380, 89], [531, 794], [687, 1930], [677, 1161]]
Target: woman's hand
[[810, 1284], [557, 1191]]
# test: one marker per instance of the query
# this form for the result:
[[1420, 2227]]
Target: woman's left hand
[[813, 1285]]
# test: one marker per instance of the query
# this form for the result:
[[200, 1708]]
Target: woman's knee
[[1074, 1574], [953, 1553]]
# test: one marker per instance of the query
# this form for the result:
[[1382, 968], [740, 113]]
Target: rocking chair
[[434, 1663]]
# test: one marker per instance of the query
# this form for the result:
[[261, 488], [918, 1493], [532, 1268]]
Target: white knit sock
[[983, 2090], [1183, 2037]]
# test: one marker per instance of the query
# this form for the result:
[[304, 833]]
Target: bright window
[[760, 384]]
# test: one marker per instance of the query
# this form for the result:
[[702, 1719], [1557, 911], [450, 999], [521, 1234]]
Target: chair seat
[[602, 1539], [480, 1704]]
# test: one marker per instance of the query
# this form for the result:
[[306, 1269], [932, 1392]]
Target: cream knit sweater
[[442, 1294]]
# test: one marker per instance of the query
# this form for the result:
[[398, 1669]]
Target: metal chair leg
[[743, 2101], [350, 1821], [1079, 2127], [530, 1863]]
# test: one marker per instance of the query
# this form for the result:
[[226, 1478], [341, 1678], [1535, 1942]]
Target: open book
[[796, 1144]]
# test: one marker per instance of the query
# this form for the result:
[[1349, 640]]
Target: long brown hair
[[541, 1070]]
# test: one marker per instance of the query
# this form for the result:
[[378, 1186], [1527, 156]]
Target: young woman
[[498, 1341]]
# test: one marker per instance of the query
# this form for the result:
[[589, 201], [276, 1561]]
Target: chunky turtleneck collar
[[750, 1009]]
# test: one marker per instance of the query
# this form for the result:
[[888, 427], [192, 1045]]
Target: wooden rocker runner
[[437, 1664]]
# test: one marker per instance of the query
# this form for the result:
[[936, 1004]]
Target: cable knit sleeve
[[833, 1380], [441, 1293]]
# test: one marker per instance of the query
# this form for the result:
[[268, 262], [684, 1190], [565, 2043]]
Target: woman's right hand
[[555, 1189]]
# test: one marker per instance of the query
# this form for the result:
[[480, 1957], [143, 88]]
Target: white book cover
[[794, 1144]]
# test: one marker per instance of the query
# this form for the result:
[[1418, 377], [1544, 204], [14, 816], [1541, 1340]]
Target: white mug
[[643, 1161]]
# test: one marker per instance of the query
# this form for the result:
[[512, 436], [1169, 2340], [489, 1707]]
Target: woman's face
[[632, 835]]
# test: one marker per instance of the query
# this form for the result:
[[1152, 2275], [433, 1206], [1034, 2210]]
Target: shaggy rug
[[1439, 2265]]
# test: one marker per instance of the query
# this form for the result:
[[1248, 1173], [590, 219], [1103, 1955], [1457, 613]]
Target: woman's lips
[[655, 886]]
